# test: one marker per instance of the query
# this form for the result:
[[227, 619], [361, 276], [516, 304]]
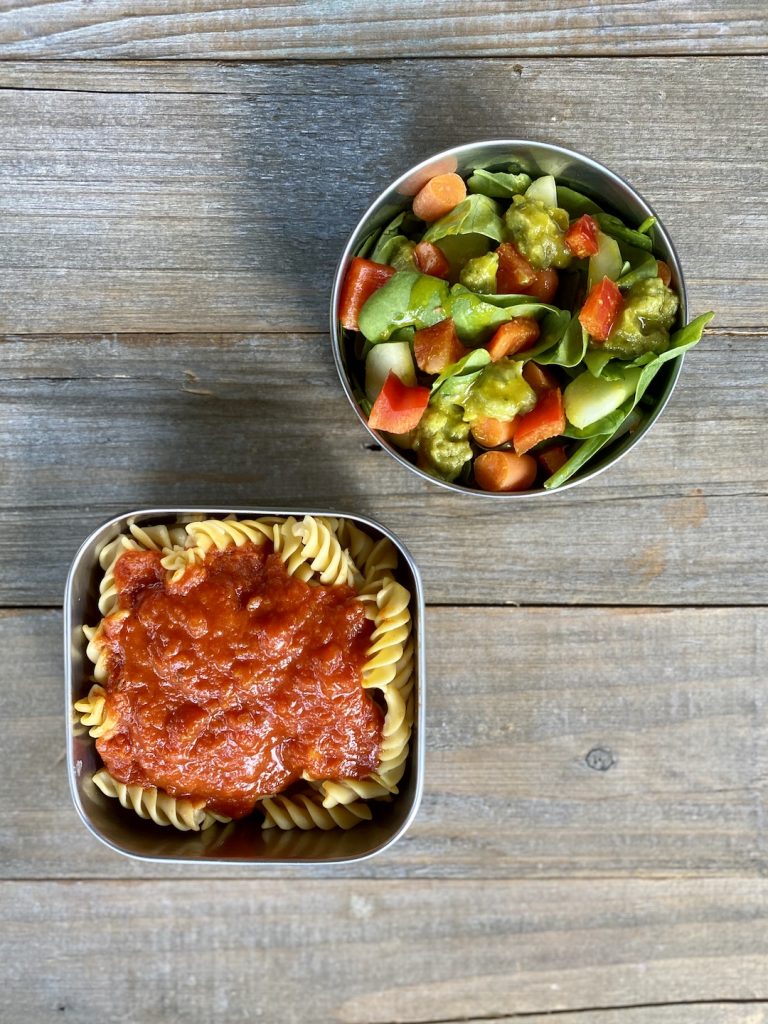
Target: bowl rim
[[417, 756], [674, 366]]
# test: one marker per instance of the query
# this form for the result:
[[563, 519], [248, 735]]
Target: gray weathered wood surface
[[579, 742], [260, 420], [168, 232], [208, 198], [355, 29], [384, 952]]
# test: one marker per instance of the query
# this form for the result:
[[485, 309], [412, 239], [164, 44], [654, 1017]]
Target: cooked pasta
[[305, 811], [92, 712], [323, 552], [157, 806]]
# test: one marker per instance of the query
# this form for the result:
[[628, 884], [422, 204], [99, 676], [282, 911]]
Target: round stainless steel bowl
[[570, 168]]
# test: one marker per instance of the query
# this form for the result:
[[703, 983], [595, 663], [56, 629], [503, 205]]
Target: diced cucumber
[[544, 189], [386, 356], [587, 399], [607, 261]]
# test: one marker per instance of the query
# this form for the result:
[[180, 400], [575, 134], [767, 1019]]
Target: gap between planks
[[601, 1008]]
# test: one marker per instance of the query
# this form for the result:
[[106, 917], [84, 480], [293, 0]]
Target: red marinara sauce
[[229, 683]]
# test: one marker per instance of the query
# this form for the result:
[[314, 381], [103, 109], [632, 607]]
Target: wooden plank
[[98, 426], [581, 743], [320, 29], [208, 199], [375, 953]]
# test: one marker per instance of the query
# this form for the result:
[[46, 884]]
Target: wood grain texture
[[560, 743], [378, 953], [98, 426], [323, 29], [218, 198]]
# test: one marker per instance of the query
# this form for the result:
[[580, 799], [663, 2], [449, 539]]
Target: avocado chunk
[[643, 324], [499, 392], [538, 231], [479, 274], [442, 439]]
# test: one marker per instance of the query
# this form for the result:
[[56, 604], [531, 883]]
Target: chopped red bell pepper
[[581, 237], [362, 279], [545, 421], [398, 407], [602, 307], [515, 335], [431, 260], [437, 346], [515, 274]]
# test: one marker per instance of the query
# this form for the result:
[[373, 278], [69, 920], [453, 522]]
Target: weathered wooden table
[[177, 180]]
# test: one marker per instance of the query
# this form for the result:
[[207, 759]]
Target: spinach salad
[[504, 331]]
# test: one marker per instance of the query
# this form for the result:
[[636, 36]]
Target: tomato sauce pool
[[236, 680]]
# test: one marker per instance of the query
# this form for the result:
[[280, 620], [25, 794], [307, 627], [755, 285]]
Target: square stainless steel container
[[244, 841]]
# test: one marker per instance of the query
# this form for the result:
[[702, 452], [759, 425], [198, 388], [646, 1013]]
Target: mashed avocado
[[643, 324], [442, 439], [401, 257], [499, 392], [538, 231], [479, 274]]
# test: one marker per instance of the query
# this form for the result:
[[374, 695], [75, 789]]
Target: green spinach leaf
[[562, 342], [642, 265], [574, 202], [476, 317], [498, 184], [614, 424], [455, 378], [475, 215], [408, 299]]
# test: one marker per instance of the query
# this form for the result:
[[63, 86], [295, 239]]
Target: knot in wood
[[600, 759]]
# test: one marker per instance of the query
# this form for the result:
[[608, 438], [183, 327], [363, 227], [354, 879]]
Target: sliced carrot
[[539, 378], [545, 285], [515, 335], [664, 272], [430, 260], [552, 459], [439, 196], [438, 346], [504, 471], [490, 433]]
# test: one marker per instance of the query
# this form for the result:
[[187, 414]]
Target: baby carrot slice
[[439, 196], [504, 471], [430, 260], [490, 433], [544, 285]]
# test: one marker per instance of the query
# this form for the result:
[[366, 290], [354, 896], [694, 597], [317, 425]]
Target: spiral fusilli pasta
[[157, 806], [321, 551]]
